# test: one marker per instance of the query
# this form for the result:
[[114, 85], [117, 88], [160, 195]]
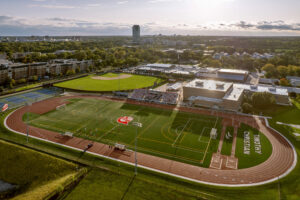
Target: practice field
[[110, 82], [171, 134]]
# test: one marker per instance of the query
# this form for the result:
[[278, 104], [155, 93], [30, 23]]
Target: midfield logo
[[124, 120]]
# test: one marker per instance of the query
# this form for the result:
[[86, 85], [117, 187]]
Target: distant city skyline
[[183, 17]]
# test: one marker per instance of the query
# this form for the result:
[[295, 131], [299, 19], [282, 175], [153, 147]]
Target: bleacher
[[154, 96], [170, 98]]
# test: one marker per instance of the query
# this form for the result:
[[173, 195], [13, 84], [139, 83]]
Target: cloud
[[50, 6], [94, 5], [163, 1], [278, 25], [122, 2], [62, 26]]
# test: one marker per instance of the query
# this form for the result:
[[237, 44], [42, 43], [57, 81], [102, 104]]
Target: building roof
[[159, 65], [208, 70], [263, 88], [293, 77], [234, 77], [267, 80], [233, 71], [209, 85], [175, 86], [234, 94]]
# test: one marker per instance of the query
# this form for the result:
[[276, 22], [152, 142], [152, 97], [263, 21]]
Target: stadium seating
[[154, 96]]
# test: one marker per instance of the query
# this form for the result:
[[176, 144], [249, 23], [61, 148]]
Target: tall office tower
[[136, 33]]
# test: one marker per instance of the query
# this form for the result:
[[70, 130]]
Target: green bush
[[262, 99], [247, 108]]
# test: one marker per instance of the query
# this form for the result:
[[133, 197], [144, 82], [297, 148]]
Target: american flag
[[4, 107]]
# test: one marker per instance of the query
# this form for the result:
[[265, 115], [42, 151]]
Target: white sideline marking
[[181, 132], [168, 173], [199, 139]]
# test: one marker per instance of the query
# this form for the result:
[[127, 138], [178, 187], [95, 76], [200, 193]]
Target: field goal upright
[[213, 133]]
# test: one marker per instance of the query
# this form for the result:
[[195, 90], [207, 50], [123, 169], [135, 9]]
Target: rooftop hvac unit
[[199, 83], [272, 89], [220, 85], [253, 87]]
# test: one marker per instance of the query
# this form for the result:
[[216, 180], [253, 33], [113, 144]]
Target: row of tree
[[280, 71], [257, 101]]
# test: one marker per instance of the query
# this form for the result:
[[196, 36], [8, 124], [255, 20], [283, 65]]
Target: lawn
[[227, 143], [288, 115], [285, 114], [95, 85], [252, 157], [36, 174], [27, 87], [170, 134], [112, 185]]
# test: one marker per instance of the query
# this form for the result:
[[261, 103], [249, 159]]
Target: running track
[[279, 164]]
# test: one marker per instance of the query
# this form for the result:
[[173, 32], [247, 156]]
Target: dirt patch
[[123, 76]]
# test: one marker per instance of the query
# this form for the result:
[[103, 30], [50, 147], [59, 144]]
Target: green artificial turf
[[227, 143], [94, 85], [254, 158], [171, 134]]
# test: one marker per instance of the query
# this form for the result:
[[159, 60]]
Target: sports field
[[110, 82], [171, 134]]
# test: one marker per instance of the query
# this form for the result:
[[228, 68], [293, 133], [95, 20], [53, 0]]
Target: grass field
[[171, 134], [227, 144], [288, 115], [95, 85], [112, 185], [254, 158], [36, 174]]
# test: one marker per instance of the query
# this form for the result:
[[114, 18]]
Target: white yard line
[[108, 132], [181, 132], [200, 136]]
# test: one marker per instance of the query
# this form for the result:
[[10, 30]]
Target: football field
[[166, 133]]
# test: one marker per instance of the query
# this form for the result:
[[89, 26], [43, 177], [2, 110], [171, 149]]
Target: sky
[[168, 17]]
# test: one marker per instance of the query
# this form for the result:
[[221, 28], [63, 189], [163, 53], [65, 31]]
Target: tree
[[13, 81], [282, 71], [22, 80], [70, 72], [212, 62], [270, 70], [247, 108], [262, 100], [293, 95], [284, 82], [35, 78]]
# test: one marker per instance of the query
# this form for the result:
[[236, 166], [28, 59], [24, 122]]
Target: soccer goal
[[63, 106], [213, 133]]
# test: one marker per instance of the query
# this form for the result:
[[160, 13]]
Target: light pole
[[140, 125], [28, 104]]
